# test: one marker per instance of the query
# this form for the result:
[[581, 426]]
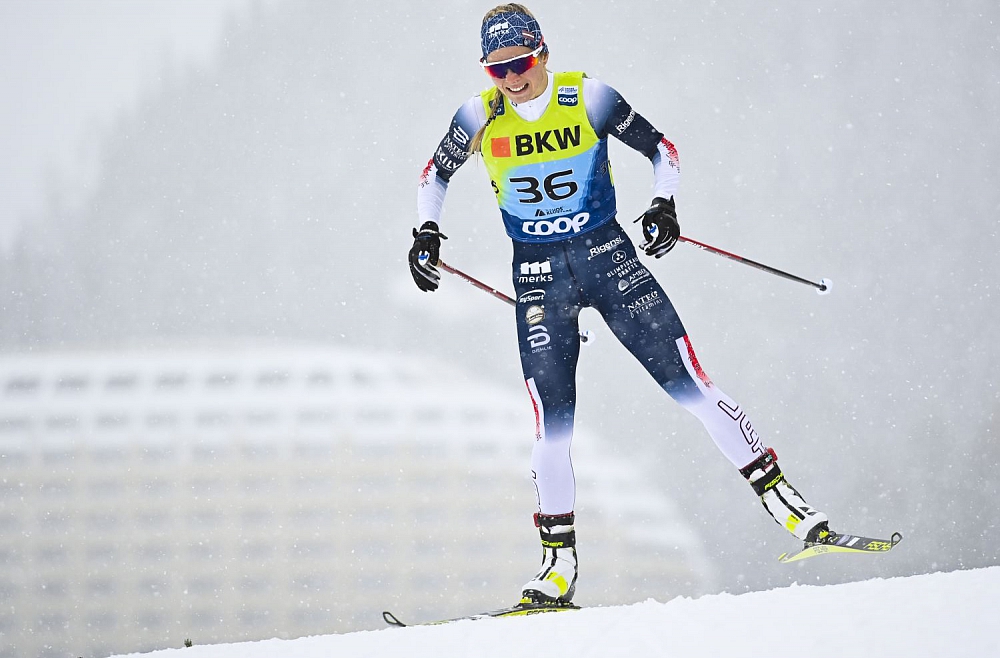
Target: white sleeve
[[451, 153], [666, 170], [430, 194]]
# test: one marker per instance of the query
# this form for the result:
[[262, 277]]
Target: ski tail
[[392, 620]]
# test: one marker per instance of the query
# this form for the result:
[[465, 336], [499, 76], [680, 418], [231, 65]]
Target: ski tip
[[392, 620]]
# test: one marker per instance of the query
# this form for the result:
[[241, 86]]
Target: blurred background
[[204, 231]]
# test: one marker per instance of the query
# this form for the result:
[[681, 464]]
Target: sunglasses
[[517, 65]]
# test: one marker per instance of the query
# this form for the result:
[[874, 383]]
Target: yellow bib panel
[[551, 176]]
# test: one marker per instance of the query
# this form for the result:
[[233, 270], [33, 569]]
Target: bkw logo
[[549, 141]]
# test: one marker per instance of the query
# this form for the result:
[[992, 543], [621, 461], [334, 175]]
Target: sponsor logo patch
[[621, 127], [459, 135], [644, 303], [445, 161], [568, 95], [498, 27], [604, 248], [549, 141], [500, 147], [550, 211], [534, 315], [539, 272], [560, 225], [623, 268], [536, 295], [538, 338]]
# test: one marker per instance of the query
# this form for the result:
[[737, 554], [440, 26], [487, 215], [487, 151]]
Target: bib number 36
[[555, 189], [556, 186]]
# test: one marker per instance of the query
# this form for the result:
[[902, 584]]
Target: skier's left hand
[[660, 227]]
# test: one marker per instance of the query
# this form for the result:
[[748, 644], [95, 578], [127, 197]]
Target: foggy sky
[[857, 142], [68, 66]]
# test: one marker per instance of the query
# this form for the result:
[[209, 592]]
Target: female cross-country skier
[[543, 138]]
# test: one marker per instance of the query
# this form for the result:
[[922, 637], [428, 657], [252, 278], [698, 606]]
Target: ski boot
[[783, 502], [555, 583]]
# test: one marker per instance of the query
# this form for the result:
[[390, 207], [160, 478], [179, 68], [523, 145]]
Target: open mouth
[[517, 90]]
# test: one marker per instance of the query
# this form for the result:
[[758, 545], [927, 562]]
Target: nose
[[510, 76]]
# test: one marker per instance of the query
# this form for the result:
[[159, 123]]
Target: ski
[[836, 543], [519, 610]]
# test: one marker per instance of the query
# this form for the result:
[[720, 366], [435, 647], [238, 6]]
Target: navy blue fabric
[[509, 28], [554, 281]]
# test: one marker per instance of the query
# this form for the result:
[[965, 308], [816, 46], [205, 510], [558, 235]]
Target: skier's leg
[[547, 312], [643, 318], [549, 342]]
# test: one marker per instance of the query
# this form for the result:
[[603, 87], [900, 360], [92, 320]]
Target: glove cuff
[[659, 203], [429, 229]]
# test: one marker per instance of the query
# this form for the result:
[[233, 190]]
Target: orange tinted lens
[[517, 66]]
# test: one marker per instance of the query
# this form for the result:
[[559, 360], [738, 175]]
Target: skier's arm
[[610, 114], [451, 153]]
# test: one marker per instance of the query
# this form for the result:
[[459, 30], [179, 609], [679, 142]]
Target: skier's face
[[519, 87]]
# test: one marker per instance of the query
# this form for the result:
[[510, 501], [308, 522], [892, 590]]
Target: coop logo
[[561, 225], [606, 247], [568, 95], [535, 272], [539, 339]]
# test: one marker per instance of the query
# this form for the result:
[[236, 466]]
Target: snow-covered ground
[[931, 615]]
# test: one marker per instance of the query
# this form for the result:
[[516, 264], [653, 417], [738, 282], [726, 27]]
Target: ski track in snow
[[931, 615]]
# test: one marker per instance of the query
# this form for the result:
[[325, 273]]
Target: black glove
[[660, 227], [424, 256]]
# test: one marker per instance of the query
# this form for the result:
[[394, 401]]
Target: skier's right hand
[[424, 256]]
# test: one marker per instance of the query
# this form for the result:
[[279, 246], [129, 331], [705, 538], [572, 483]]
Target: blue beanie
[[510, 28]]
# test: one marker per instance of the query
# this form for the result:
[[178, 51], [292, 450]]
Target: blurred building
[[243, 493]]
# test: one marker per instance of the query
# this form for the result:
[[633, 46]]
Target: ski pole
[[585, 336], [822, 288], [476, 282]]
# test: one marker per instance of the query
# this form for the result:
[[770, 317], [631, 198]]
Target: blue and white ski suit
[[556, 195]]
